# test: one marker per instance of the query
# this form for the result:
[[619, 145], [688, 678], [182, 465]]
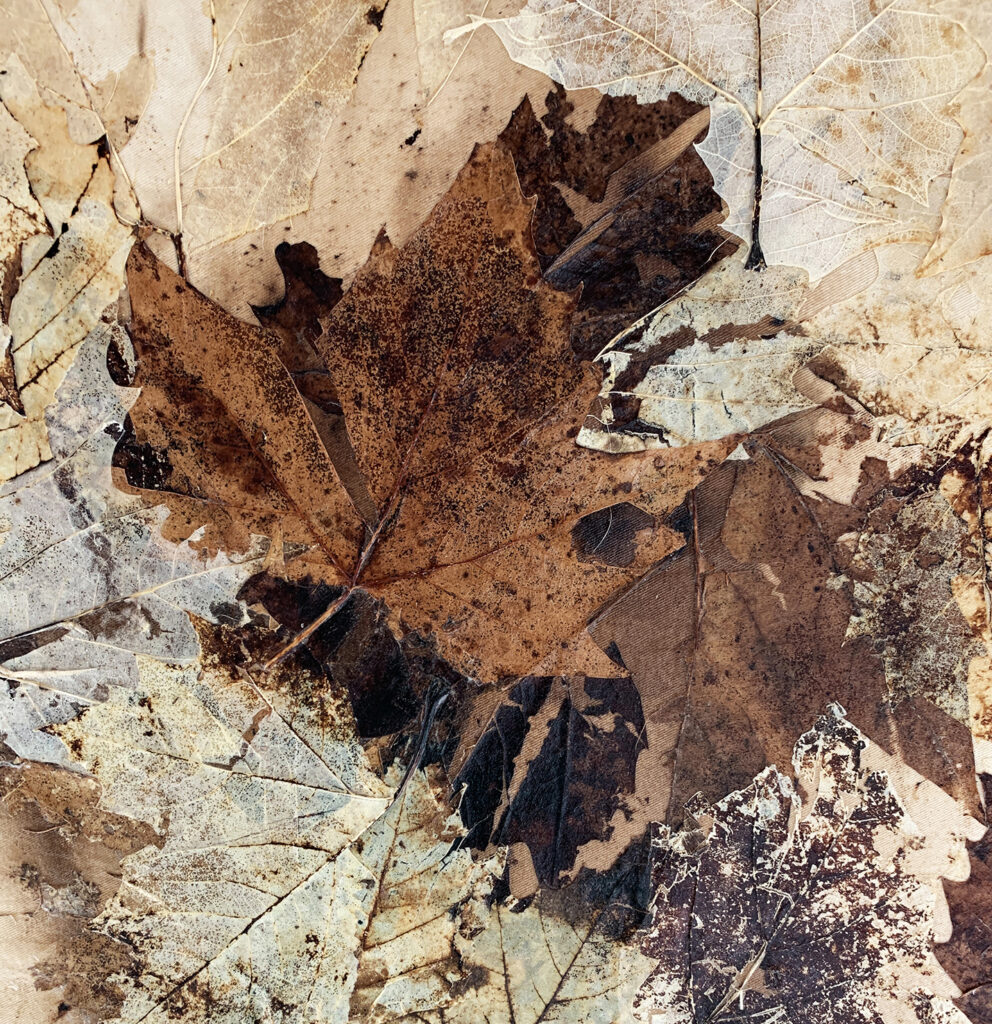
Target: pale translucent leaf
[[82, 564], [850, 101]]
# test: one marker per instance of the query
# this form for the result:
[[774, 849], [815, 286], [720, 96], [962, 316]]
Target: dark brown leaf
[[625, 206]]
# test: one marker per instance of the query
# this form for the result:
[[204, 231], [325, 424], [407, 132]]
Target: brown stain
[[71, 852]]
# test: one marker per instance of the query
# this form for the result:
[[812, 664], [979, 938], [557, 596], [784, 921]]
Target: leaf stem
[[331, 610]]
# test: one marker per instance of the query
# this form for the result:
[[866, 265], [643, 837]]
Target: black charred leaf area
[[575, 783], [387, 681]]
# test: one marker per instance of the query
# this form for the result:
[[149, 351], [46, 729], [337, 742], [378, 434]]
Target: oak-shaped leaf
[[785, 904], [830, 121], [450, 359]]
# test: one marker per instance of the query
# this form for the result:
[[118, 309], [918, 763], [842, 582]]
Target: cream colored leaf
[[725, 357], [417, 898], [292, 66], [27, 30], [965, 233], [20, 215], [840, 108], [86, 579], [432, 18], [292, 880], [242, 116], [533, 965], [246, 906], [71, 268], [914, 351]]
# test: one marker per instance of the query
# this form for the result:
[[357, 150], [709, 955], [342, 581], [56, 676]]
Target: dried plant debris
[[495, 512]]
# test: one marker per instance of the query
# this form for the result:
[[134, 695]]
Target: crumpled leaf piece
[[726, 356], [451, 360], [625, 207], [71, 268], [551, 768], [776, 900], [829, 121], [122, 588]]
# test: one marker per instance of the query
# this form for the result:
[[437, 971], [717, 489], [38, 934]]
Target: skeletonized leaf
[[796, 905], [255, 803], [86, 578]]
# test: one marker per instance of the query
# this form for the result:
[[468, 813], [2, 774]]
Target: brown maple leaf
[[733, 638], [450, 359]]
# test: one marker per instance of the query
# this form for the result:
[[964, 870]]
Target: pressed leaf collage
[[495, 512]]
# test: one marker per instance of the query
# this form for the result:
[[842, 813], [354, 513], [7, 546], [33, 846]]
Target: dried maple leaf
[[291, 880], [782, 907], [733, 638], [450, 358], [830, 121]]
